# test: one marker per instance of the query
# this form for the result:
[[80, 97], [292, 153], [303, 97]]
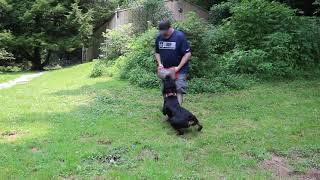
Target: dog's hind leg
[[164, 110], [196, 122]]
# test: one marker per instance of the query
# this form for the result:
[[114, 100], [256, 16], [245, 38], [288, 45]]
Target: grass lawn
[[4, 77], [67, 125]]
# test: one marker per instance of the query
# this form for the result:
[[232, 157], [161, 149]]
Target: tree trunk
[[36, 61], [47, 60]]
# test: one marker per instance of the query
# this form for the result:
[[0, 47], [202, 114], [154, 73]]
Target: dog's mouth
[[170, 94]]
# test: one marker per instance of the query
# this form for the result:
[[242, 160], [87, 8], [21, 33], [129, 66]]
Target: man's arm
[[157, 55], [184, 60]]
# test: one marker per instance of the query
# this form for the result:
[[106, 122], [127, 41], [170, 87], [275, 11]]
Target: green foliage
[[220, 83], [101, 9], [148, 13], [4, 8], [261, 39], [218, 40], [244, 62], [10, 69], [116, 42], [306, 42], [98, 69], [219, 12], [265, 39], [253, 20], [140, 66], [83, 21], [40, 27], [195, 29], [5, 56]]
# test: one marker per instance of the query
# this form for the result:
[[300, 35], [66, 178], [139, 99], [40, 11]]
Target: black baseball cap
[[164, 25]]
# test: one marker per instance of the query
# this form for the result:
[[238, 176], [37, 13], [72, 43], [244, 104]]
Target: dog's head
[[169, 85]]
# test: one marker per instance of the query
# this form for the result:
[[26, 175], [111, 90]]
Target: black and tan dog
[[179, 117]]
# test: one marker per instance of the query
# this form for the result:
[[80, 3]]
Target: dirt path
[[20, 80]]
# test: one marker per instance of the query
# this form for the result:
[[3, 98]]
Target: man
[[173, 51]]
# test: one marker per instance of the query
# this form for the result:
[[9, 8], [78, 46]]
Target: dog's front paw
[[200, 128]]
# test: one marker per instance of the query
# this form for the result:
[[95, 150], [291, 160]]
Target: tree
[[40, 27], [102, 10], [150, 11]]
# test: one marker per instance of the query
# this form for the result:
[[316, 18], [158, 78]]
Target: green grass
[[4, 77], [67, 125]]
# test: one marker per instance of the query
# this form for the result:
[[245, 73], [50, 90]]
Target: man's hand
[[160, 65], [184, 60], [176, 69]]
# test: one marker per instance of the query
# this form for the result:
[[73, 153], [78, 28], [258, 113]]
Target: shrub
[[306, 42], [10, 69], [265, 39], [220, 12], [251, 21], [280, 51], [98, 69], [116, 42], [5, 56], [219, 83], [140, 62], [143, 78], [195, 28], [218, 40], [244, 62]]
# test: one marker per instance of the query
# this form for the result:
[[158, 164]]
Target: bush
[[139, 64], [195, 28], [265, 39], [10, 69], [218, 40], [5, 56], [253, 20], [244, 62], [98, 69], [219, 83], [306, 43], [116, 42], [220, 12]]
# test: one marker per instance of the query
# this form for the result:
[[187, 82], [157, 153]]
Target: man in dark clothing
[[173, 51]]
